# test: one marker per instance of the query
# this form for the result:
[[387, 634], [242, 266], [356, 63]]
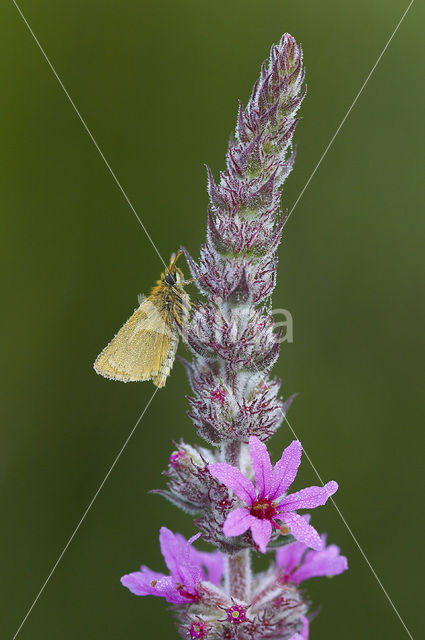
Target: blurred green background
[[158, 83]]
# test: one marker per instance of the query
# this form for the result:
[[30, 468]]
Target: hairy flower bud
[[231, 335]]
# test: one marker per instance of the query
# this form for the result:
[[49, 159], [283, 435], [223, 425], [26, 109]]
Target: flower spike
[[238, 500]]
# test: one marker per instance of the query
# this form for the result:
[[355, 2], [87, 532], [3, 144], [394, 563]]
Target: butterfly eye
[[170, 279]]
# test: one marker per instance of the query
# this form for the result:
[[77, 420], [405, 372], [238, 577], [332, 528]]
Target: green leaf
[[281, 541]]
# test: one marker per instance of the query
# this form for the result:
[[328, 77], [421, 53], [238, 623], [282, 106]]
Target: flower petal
[[192, 539], [286, 469], [261, 465], [261, 533], [289, 556], [308, 498], [139, 582], [176, 552], [327, 562], [213, 562], [234, 480], [237, 522], [302, 531], [167, 588]]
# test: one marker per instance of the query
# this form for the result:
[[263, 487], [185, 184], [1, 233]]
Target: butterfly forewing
[[145, 347], [140, 347]]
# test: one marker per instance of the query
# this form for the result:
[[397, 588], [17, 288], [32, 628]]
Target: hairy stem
[[238, 566], [238, 575]]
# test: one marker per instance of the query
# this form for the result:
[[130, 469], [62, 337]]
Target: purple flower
[[300, 563], [187, 569], [267, 502]]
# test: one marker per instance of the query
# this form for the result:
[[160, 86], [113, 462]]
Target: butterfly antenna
[[174, 258]]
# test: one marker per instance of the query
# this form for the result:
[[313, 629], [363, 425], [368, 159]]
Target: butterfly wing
[[140, 347]]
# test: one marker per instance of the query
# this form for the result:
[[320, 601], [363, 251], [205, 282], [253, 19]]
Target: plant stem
[[238, 566], [238, 575]]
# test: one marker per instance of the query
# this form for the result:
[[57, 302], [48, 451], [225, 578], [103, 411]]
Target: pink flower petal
[[176, 552], [174, 549], [302, 531], [261, 465], [261, 533], [193, 538], [286, 469], [308, 498], [235, 480], [139, 582], [166, 588], [237, 522], [211, 563], [327, 562], [289, 556]]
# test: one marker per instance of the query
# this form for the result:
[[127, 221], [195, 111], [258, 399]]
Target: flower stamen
[[264, 509]]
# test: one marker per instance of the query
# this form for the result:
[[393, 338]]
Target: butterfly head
[[173, 275]]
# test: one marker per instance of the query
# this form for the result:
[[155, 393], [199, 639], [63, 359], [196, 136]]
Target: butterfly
[[145, 346]]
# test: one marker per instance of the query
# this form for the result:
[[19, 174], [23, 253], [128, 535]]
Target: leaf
[[281, 541]]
